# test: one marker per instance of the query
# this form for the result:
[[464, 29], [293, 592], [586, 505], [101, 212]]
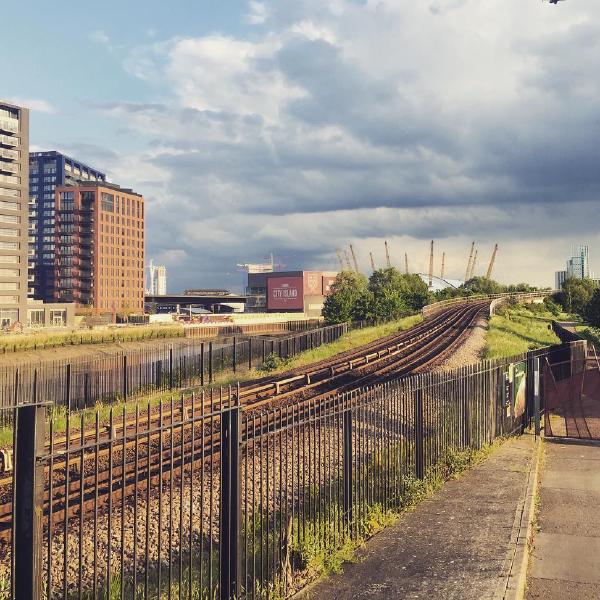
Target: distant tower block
[[161, 280]]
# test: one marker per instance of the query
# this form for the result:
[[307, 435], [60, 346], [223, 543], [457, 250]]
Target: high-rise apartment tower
[[14, 197], [100, 247], [47, 171]]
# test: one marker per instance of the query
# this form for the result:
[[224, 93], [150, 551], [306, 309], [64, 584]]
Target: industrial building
[[47, 171], [100, 247], [14, 192], [290, 291]]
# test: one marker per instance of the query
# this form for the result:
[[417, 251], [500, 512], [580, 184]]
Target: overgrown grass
[[515, 330], [41, 341], [590, 333]]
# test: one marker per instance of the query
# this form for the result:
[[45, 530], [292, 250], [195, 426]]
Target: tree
[[483, 285], [592, 309], [345, 290], [575, 294], [391, 295]]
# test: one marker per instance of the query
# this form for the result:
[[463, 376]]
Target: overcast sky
[[299, 127]]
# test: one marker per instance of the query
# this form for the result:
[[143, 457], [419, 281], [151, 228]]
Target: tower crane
[[406, 262], [354, 258], [387, 255], [473, 265], [468, 271], [372, 262], [492, 261], [443, 265], [431, 265]]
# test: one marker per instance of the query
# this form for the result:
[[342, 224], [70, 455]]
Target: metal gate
[[571, 394]]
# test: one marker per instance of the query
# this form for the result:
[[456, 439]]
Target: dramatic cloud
[[344, 121]]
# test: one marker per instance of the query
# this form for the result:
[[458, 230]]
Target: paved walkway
[[565, 562], [453, 546]]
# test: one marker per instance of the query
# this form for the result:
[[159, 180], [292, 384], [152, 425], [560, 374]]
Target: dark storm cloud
[[423, 123]]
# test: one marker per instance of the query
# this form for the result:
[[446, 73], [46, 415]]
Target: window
[[6, 205], [9, 232], [35, 317], [10, 245], [11, 315], [9, 272], [9, 285], [108, 202], [10, 219], [10, 258]]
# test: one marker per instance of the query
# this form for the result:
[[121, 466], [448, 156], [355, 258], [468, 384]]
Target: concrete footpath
[[565, 562], [460, 544]]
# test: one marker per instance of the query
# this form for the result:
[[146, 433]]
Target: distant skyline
[[297, 128]]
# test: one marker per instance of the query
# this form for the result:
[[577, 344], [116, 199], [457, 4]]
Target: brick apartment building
[[100, 247]]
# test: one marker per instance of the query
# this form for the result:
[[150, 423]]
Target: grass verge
[[515, 330], [41, 341]]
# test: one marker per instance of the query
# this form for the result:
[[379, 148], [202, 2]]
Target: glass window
[[9, 272], [8, 192], [10, 218], [108, 202], [9, 285], [10, 258]]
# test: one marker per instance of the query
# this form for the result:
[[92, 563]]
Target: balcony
[[7, 140], [9, 125], [9, 167], [10, 154]]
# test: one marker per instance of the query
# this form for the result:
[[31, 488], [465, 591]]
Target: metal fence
[[201, 498], [82, 382]]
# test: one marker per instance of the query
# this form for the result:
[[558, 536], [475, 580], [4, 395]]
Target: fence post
[[418, 428], [125, 382], [234, 354], [68, 387], [170, 368], [210, 362], [264, 350], [347, 425], [202, 364], [29, 502], [536, 396], [230, 516]]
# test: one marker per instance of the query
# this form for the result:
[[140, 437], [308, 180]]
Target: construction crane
[[473, 265], [431, 265], [387, 256], [347, 260], [372, 262], [468, 271], [354, 258], [406, 262], [492, 261], [339, 255], [443, 265]]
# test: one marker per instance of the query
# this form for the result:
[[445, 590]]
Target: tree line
[[581, 297], [389, 294]]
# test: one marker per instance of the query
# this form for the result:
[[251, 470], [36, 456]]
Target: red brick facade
[[100, 247]]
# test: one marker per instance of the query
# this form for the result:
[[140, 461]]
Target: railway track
[[93, 466]]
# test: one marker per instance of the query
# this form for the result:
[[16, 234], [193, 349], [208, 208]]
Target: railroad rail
[[128, 455]]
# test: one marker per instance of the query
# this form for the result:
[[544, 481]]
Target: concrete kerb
[[513, 582]]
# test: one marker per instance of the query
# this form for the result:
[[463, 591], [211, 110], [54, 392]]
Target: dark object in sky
[[555, 1]]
